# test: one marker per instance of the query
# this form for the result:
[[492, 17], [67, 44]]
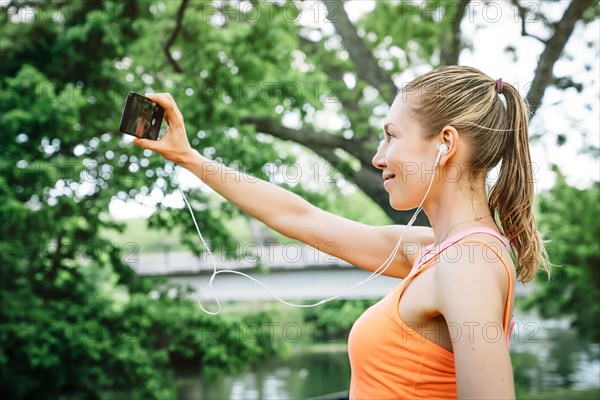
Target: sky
[[563, 112], [490, 28]]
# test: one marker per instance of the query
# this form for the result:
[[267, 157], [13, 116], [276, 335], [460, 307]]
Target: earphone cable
[[377, 272]]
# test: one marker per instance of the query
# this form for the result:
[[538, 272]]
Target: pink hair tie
[[499, 86]]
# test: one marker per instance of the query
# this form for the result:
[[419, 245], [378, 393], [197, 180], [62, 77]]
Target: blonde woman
[[444, 331]]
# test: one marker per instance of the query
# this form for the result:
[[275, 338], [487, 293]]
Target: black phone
[[141, 117]]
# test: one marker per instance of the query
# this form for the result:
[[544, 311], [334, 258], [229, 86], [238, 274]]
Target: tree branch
[[566, 82], [554, 47], [304, 136], [310, 138], [174, 34], [523, 16], [367, 179], [366, 64], [313, 139], [451, 57]]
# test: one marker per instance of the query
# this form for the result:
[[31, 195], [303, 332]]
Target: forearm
[[262, 200]]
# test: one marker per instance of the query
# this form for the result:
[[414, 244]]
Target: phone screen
[[142, 117]]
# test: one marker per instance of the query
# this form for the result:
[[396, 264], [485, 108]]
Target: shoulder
[[473, 274], [471, 285], [477, 255]]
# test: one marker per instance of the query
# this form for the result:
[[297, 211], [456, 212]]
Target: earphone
[[379, 271], [441, 150]]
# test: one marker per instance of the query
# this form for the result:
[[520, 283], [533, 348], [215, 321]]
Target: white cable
[[375, 273]]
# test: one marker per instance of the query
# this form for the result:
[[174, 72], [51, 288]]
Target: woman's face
[[405, 158]]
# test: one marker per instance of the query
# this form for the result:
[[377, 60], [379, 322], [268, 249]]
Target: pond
[[546, 355], [311, 371]]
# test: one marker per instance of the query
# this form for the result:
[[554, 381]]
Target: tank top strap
[[430, 254], [432, 250]]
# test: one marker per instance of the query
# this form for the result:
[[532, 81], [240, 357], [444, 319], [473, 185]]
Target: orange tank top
[[389, 360]]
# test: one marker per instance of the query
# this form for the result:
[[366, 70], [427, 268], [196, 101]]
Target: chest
[[417, 307]]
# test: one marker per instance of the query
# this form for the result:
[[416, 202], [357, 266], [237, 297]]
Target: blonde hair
[[468, 100]]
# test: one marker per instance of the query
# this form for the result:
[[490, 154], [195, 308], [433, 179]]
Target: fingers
[[175, 138], [172, 114], [145, 143]]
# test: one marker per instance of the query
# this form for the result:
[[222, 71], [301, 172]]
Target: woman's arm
[[361, 245], [471, 291]]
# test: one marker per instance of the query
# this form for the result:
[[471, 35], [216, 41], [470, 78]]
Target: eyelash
[[388, 134]]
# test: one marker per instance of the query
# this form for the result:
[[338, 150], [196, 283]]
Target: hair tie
[[499, 86]]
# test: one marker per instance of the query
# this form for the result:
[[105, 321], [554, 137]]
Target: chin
[[402, 206]]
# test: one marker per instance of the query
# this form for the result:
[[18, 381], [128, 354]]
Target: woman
[[444, 331], [141, 127]]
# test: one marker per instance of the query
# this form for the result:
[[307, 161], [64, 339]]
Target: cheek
[[413, 165], [395, 158], [403, 166], [410, 184]]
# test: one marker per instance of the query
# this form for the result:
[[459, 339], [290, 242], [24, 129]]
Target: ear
[[450, 137]]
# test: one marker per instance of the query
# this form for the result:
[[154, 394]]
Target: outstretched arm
[[361, 245]]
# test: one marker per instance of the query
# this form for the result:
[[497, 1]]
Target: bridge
[[294, 272]]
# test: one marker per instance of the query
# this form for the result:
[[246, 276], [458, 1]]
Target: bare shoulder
[[474, 274], [476, 254], [471, 285]]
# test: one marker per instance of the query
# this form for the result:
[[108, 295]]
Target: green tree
[[570, 218], [253, 82], [75, 320], [242, 72]]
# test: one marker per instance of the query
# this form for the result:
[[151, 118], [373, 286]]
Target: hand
[[174, 144]]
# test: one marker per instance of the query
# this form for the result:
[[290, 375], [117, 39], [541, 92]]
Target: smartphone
[[141, 117]]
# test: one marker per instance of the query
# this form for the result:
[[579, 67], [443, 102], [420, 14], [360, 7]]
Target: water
[[311, 372], [546, 355]]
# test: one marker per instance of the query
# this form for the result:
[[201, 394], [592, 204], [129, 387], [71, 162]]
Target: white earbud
[[442, 149]]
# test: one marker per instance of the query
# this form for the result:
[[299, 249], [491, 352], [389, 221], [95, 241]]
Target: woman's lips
[[387, 180]]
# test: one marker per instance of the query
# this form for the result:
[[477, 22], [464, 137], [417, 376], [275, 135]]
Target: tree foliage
[[570, 219], [254, 83], [76, 322], [241, 72], [334, 319]]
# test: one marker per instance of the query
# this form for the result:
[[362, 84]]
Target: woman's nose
[[379, 157]]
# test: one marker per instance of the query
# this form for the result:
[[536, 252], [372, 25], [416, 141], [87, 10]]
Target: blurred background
[[100, 261]]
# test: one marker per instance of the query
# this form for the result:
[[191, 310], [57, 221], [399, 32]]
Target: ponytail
[[511, 198], [469, 100]]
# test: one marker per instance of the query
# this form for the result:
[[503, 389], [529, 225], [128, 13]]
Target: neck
[[454, 209]]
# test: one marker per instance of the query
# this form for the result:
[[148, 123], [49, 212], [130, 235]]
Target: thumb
[[145, 143]]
